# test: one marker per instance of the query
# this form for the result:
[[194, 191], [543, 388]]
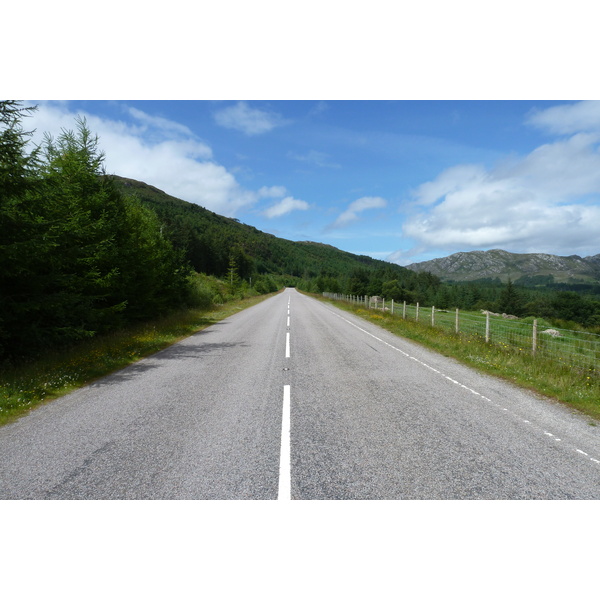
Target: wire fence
[[578, 350]]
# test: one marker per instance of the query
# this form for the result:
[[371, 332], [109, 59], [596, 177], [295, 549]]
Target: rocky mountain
[[527, 269]]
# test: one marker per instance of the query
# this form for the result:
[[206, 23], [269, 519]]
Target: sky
[[402, 181]]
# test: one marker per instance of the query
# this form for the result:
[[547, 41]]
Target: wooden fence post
[[433, 316], [534, 341], [417, 313], [404, 310], [456, 322], [487, 326]]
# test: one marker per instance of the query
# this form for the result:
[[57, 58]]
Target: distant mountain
[[526, 269]]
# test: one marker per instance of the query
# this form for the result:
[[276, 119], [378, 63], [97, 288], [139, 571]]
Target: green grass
[[575, 387], [27, 385]]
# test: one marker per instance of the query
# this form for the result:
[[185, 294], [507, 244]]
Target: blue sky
[[402, 181]]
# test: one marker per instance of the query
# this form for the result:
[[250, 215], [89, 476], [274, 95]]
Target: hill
[[211, 240], [523, 269]]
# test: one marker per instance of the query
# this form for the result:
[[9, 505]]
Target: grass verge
[[30, 384], [576, 388]]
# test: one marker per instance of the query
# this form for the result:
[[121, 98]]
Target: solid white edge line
[[284, 492]]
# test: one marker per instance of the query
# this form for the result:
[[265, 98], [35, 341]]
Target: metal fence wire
[[578, 350]]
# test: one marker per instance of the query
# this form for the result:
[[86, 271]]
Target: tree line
[[565, 308], [77, 256]]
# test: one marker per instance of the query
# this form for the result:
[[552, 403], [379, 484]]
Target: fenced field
[[577, 350]]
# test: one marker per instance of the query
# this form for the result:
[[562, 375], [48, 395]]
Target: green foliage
[[510, 301], [232, 276], [265, 284], [78, 257]]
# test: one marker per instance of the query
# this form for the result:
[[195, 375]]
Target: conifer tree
[[510, 300]]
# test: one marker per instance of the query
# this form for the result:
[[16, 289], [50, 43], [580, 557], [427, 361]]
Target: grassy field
[[546, 375], [27, 385]]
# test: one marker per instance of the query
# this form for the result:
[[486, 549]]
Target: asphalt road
[[295, 399]]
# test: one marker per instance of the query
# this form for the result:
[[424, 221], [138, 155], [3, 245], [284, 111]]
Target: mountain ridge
[[526, 268]]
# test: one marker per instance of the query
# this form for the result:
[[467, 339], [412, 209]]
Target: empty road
[[293, 399]]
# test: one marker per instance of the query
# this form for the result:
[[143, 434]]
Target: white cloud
[[358, 206], [154, 150], [160, 123], [567, 119], [564, 169], [285, 206], [547, 201], [274, 191], [448, 181], [250, 121]]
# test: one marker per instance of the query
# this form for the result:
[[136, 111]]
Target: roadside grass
[[577, 388], [29, 384]]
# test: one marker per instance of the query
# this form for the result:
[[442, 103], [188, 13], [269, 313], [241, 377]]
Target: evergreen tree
[[233, 278], [76, 256], [510, 300]]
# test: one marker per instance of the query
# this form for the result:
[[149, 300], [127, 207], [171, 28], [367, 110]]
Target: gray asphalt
[[373, 416]]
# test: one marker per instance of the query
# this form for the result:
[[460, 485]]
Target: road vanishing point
[[294, 399]]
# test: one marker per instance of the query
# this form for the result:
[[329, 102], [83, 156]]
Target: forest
[[83, 253]]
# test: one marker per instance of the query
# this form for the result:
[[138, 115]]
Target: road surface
[[294, 399]]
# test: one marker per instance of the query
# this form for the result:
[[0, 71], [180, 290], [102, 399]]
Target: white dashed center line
[[284, 492], [284, 458]]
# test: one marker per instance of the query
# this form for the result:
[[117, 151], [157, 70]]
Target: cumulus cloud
[[288, 204], [157, 151], [250, 121], [356, 207], [449, 181], [546, 201]]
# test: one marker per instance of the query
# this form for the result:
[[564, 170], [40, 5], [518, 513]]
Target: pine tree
[[510, 300]]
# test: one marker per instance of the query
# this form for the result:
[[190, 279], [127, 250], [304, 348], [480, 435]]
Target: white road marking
[[452, 380], [284, 492], [288, 322], [287, 344]]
